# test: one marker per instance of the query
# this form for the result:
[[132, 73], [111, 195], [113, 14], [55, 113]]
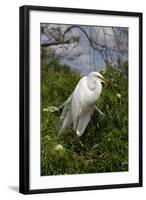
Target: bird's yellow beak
[[103, 80]]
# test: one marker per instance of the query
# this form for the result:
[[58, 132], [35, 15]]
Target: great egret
[[80, 106]]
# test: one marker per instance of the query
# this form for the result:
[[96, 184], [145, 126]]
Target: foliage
[[105, 139]]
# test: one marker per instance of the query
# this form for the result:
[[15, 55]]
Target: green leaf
[[51, 109]]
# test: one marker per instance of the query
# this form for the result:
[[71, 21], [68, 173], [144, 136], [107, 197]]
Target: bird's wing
[[65, 119], [82, 123], [77, 104]]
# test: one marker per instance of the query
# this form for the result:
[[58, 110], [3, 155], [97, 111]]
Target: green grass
[[105, 139]]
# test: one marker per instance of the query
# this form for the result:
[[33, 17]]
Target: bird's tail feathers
[[65, 119], [66, 123]]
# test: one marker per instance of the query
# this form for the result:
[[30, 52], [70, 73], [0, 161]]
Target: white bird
[[80, 106]]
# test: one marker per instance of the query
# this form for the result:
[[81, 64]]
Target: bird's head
[[97, 75]]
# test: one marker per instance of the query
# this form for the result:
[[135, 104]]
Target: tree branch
[[54, 43]]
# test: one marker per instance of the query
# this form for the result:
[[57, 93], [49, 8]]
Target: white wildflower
[[59, 147], [118, 95]]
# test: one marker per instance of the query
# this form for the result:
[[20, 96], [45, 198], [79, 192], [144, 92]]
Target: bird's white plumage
[[81, 104]]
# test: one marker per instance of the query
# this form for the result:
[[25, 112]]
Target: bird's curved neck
[[93, 83]]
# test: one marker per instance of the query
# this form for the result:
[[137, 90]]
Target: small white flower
[[59, 147], [118, 95]]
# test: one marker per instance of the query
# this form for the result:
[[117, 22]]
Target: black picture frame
[[25, 105]]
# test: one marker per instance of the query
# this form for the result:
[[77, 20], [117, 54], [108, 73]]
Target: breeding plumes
[[80, 106]]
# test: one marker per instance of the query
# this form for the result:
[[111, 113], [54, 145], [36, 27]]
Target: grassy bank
[[105, 139]]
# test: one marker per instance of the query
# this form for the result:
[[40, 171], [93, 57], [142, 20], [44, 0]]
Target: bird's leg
[[101, 113], [82, 145], [80, 142]]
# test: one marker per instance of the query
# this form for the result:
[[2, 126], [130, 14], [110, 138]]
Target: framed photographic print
[[80, 99]]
